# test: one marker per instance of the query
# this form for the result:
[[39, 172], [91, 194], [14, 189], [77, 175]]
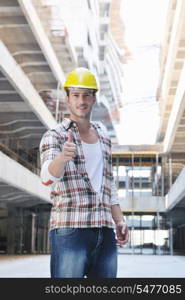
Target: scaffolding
[[140, 178]]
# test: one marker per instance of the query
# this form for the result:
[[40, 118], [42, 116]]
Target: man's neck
[[83, 124]]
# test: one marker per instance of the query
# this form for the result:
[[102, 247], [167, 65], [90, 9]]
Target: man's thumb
[[70, 136]]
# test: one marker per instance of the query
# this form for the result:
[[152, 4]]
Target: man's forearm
[[57, 166], [122, 233], [117, 214]]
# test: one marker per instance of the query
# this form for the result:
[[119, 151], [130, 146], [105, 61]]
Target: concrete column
[[162, 177], [127, 184], [141, 235], [133, 248], [154, 238], [170, 172], [117, 172], [21, 229], [48, 239], [33, 232], [45, 232], [11, 230], [15, 230], [158, 230], [140, 177], [156, 177], [44, 239], [171, 238], [39, 234]]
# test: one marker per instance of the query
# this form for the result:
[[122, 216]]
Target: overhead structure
[[171, 83], [30, 65]]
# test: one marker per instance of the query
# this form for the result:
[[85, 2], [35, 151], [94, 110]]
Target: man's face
[[80, 102]]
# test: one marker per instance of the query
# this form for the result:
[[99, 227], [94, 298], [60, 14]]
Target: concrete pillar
[[156, 177], [154, 238], [170, 172], [133, 248], [48, 242], [21, 229], [39, 234], [45, 239], [15, 230], [158, 230], [33, 232], [11, 230], [117, 172], [45, 232], [127, 184], [141, 235], [171, 238], [162, 177]]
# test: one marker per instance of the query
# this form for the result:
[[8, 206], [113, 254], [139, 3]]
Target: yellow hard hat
[[81, 78]]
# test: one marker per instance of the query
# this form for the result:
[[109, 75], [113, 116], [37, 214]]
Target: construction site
[[37, 51]]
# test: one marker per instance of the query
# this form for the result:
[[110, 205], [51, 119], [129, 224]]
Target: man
[[76, 164]]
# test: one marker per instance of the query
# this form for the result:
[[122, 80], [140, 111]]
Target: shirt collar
[[68, 123]]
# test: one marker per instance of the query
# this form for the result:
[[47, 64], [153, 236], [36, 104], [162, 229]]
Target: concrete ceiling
[[171, 88], [43, 68], [14, 196]]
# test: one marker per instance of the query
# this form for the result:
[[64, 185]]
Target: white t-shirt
[[94, 163]]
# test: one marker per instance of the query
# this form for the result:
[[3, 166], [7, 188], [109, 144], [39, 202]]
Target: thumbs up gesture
[[69, 148], [70, 136]]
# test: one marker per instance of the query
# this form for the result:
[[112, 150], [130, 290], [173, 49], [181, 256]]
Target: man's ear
[[67, 99]]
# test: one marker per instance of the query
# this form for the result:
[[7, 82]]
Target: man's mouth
[[82, 107]]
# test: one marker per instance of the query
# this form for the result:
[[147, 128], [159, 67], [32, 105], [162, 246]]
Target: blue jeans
[[83, 252]]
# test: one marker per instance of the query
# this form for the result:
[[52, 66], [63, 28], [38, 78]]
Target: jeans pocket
[[65, 231]]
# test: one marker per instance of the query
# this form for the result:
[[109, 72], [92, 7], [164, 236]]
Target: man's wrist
[[120, 222], [61, 158]]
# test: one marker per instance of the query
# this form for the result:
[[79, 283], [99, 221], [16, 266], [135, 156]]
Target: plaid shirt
[[75, 202]]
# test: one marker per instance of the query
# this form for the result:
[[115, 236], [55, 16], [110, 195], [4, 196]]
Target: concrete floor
[[129, 266]]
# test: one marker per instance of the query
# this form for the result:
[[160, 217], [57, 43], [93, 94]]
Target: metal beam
[[176, 114], [42, 39], [24, 87], [24, 180]]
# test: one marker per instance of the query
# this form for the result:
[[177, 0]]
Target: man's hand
[[69, 148], [57, 166], [122, 233]]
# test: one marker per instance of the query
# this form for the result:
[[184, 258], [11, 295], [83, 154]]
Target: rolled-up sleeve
[[49, 148], [46, 176]]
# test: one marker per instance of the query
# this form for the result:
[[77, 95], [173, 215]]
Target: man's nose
[[82, 98]]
